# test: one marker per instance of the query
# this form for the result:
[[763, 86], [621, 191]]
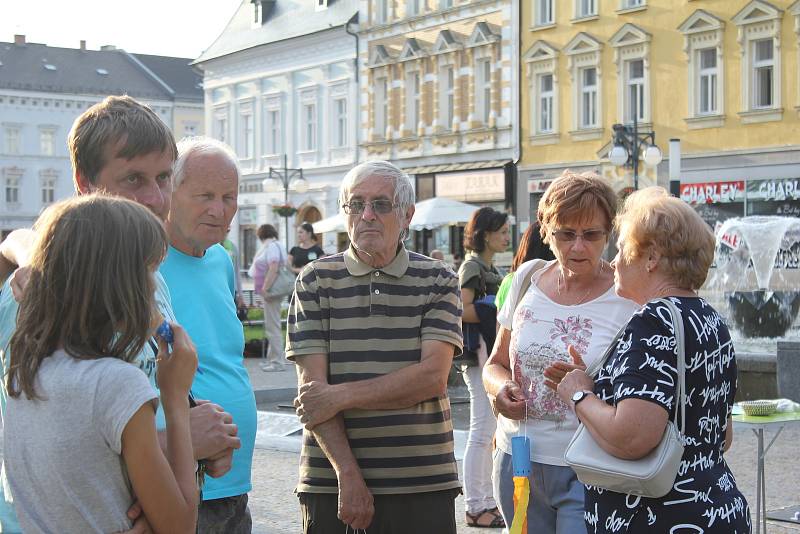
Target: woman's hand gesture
[[558, 370]]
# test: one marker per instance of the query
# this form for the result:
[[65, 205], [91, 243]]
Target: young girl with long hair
[[80, 436]]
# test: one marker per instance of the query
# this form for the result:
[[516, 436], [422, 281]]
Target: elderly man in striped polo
[[373, 331]]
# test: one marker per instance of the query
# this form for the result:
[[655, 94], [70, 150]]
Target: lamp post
[[285, 179], [628, 143]]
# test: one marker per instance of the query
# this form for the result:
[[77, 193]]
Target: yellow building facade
[[719, 75], [439, 98]]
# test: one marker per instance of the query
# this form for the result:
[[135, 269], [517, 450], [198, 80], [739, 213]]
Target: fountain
[[756, 270], [755, 283]]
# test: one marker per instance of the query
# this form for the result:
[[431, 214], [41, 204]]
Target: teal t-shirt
[[8, 324], [202, 291]]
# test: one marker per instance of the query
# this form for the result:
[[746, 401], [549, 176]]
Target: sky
[[179, 28]]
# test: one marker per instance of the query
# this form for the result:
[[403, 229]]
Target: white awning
[[330, 224]]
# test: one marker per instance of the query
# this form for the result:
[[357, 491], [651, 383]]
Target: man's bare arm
[[16, 247], [319, 401], [355, 500]]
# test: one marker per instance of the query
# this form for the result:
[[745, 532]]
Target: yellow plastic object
[[522, 492]]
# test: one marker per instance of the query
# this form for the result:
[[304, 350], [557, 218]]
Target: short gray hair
[[403, 190], [201, 145]]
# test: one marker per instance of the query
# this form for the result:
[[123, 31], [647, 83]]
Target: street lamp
[[628, 143], [285, 179]]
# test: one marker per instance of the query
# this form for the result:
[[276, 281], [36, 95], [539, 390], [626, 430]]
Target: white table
[[758, 424]]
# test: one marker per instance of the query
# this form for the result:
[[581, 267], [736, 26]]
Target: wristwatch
[[580, 395]]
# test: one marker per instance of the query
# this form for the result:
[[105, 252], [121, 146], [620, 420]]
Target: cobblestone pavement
[[276, 511]]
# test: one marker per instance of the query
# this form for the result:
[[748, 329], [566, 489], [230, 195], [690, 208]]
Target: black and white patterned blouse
[[704, 498]]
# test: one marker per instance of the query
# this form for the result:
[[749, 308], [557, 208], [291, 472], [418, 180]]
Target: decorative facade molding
[[703, 31], [632, 43], [759, 21]]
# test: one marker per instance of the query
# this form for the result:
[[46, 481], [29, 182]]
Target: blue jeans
[[556, 500]]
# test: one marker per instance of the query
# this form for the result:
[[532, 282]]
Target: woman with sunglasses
[[559, 316]]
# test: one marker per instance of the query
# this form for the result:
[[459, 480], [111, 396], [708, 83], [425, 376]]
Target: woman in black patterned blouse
[[665, 250]]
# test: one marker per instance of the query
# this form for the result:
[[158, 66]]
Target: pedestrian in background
[[485, 235], [306, 250], [264, 271]]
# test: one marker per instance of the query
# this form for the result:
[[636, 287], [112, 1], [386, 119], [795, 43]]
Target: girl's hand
[[175, 370]]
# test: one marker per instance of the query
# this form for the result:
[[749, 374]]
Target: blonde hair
[[574, 197], [90, 290], [653, 218]]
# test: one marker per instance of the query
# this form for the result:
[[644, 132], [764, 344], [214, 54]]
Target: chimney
[[108, 47], [19, 39], [83, 45]]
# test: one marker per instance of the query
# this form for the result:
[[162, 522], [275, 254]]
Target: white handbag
[[653, 475]]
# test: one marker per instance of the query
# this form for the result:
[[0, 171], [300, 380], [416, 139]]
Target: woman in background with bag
[[665, 250], [485, 235], [266, 269], [550, 307]]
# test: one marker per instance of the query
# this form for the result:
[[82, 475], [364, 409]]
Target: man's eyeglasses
[[380, 206], [566, 236]]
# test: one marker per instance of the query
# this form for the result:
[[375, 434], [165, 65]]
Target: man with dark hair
[[373, 331], [121, 147]]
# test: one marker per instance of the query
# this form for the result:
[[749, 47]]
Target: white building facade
[[43, 90], [283, 88]]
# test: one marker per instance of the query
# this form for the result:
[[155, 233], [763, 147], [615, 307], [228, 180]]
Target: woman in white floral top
[[570, 302]]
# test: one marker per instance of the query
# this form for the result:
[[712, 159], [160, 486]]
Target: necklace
[[561, 280]]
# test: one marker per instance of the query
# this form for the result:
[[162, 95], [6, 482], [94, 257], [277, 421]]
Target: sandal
[[474, 520]]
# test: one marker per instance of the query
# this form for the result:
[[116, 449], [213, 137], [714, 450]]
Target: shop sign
[[777, 189], [732, 239], [472, 186], [248, 216], [538, 186], [712, 192]]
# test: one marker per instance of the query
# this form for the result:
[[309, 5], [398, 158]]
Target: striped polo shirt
[[371, 322]]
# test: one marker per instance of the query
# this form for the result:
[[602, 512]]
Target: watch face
[[578, 395]]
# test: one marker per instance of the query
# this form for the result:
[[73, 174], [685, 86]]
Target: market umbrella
[[334, 223], [521, 462], [439, 211]]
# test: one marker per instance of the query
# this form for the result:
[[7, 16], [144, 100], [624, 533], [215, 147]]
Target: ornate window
[[47, 140], [273, 126], [47, 180], [13, 134], [759, 25], [585, 8], [308, 121], [220, 124], [246, 135], [632, 57], [543, 89], [584, 66], [544, 12], [703, 34]]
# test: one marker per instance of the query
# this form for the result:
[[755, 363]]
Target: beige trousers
[[272, 329]]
